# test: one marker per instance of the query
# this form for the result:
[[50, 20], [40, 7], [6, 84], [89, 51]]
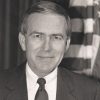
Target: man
[[45, 37]]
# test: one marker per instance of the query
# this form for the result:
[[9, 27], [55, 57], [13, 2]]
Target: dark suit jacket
[[70, 86]]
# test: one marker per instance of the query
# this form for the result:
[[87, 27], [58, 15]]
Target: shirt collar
[[32, 77], [50, 77]]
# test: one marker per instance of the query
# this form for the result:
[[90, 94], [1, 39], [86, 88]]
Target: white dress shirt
[[32, 85]]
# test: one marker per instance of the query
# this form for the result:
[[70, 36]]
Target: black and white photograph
[[49, 49]]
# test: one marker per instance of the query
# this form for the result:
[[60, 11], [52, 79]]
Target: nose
[[47, 44]]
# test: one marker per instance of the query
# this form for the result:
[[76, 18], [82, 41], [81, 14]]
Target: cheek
[[59, 47], [33, 45]]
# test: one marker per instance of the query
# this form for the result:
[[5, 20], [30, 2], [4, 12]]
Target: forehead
[[46, 23]]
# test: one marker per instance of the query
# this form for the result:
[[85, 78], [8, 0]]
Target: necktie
[[41, 92]]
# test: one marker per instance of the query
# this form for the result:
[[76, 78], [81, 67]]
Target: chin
[[47, 69]]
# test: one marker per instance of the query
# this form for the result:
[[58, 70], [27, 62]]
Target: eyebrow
[[35, 32], [58, 34]]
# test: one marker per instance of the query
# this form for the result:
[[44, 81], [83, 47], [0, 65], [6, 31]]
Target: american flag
[[85, 39]]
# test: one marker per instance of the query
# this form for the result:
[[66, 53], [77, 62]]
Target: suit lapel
[[16, 88], [65, 87]]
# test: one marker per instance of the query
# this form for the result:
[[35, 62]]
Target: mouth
[[45, 57]]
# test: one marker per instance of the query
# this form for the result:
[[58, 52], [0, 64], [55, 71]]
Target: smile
[[45, 57]]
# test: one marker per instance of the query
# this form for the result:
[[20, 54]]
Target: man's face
[[45, 42]]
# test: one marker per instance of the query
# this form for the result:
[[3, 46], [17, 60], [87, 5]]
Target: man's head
[[44, 35]]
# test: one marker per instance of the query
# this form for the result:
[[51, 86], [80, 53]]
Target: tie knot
[[41, 81]]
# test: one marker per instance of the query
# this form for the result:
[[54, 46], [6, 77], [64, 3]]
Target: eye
[[57, 37], [37, 35]]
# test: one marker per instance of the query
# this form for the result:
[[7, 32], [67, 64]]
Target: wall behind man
[[8, 32], [10, 12]]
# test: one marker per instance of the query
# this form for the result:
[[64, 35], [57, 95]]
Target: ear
[[22, 41], [67, 44]]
